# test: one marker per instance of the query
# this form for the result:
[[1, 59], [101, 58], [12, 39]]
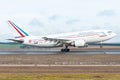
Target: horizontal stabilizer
[[18, 41]]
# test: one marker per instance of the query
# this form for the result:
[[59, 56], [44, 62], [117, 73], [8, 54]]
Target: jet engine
[[80, 43]]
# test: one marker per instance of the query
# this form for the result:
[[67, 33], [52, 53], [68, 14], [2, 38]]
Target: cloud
[[107, 13], [72, 21], [54, 17], [35, 22]]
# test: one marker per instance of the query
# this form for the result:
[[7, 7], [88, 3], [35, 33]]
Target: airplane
[[75, 39]]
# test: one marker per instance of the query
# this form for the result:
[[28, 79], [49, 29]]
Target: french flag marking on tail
[[21, 32]]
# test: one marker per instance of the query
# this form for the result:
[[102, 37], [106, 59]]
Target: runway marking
[[33, 65]]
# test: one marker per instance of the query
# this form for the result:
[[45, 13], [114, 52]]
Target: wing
[[63, 41]]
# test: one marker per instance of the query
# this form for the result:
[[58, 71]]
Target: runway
[[74, 50], [52, 61], [59, 69], [57, 52]]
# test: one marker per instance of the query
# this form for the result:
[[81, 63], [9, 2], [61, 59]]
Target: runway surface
[[60, 59], [52, 61], [59, 69], [74, 50]]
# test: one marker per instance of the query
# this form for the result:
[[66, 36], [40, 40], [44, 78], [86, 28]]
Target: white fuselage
[[91, 36]]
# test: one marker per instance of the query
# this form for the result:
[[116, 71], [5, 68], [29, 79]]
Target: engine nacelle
[[80, 43]]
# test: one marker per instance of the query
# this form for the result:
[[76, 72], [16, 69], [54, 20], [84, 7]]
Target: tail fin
[[19, 31]]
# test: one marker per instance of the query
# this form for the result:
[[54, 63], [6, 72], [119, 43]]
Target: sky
[[39, 17]]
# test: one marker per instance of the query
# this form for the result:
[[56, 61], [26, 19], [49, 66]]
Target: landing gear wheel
[[65, 50]]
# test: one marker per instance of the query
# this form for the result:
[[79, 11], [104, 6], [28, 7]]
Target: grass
[[4, 46], [59, 76], [10, 45]]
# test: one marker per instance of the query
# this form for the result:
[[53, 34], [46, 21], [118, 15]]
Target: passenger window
[[102, 34]]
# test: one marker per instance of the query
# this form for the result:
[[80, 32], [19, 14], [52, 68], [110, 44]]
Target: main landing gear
[[66, 49], [101, 45]]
